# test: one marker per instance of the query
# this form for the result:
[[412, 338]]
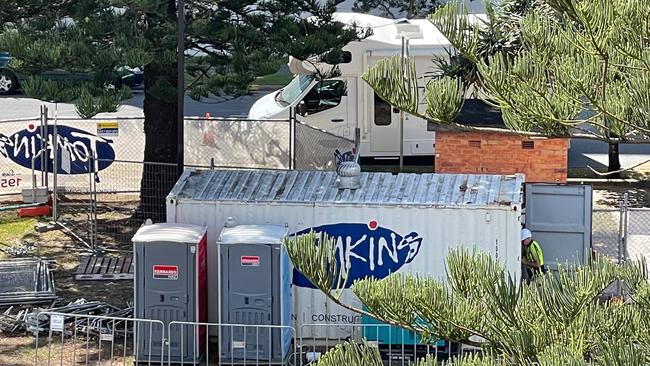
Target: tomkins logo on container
[[78, 144], [367, 250]]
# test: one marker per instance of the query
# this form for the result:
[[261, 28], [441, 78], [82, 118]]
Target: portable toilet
[[255, 288], [170, 286]]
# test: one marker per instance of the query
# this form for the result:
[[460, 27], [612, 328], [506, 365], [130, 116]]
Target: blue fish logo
[[80, 145], [367, 250]]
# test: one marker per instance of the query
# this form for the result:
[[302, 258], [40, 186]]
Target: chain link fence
[[621, 233], [237, 143], [315, 148], [106, 209], [606, 233], [103, 190], [637, 234]]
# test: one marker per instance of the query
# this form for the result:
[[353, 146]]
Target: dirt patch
[[23, 351]]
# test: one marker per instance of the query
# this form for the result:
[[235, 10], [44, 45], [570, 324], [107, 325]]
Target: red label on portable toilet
[[250, 260], [161, 272]]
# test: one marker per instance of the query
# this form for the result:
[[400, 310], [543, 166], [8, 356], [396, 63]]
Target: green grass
[[13, 229], [279, 78]]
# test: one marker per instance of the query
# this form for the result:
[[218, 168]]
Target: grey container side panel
[[560, 219]]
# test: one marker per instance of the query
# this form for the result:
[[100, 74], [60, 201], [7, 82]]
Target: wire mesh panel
[[637, 234], [398, 347], [69, 339], [123, 202], [316, 149], [238, 344], [606, 232], [237, 143], [20, 142]]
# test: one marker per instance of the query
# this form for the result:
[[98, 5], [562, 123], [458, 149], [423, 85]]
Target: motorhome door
[[385, 128], [325, 106]]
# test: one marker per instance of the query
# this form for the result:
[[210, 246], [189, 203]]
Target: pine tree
[[236, 41], [397, 8]]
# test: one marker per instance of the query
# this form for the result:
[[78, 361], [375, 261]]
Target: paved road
[[581, 153], [20, 107], [594, 154]]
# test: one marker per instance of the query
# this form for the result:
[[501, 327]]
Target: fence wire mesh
[[398, 347], [124, 201], [108, 209], [237, 143], [97, 340], [637, 234], [606, 232], [315, 149], [16, 152]]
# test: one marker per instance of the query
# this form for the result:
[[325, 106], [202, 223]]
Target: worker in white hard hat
[[532, 256]]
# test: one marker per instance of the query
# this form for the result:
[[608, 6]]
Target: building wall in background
[[541, 160]]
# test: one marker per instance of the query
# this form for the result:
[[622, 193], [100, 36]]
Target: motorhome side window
[[324, 95], [382, 112]]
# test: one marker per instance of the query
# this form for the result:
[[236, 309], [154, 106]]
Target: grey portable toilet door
[[560, 220], [166, 291], [250, 288]]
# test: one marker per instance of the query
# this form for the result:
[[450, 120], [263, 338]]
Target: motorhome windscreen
[[294, 89]]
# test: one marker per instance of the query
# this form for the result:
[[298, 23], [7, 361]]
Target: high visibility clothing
[[533, 253]]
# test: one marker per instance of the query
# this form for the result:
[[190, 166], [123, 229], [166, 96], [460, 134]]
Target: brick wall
[[541, 160]]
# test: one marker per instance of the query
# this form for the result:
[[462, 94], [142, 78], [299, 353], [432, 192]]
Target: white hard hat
[[525, 234]]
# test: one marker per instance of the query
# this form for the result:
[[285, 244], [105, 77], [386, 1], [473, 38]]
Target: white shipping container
[[405, 222]]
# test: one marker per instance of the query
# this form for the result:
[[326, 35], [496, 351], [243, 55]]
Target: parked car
[[10, 81]]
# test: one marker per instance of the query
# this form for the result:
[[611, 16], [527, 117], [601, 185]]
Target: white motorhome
[[341, 104]]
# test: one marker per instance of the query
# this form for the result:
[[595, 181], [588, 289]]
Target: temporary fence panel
[[315, 149], [406, 222], [637, 234], [247, 344], [239, 143], [26, 281], [97, 340], [20, 143], [120, 210], [397, 346], [606, 232]]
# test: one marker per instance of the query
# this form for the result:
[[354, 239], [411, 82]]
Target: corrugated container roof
[[376, 188]]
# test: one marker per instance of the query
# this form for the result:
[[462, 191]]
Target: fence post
[[357, 144], [92, 203], [292, 138], [44, 157], [55, 167], [626, 210]]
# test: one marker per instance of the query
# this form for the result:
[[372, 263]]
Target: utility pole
[[180, 152], [405, 55]]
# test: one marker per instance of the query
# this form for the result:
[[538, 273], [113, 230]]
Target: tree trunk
[[614, 161], [160, 128]]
